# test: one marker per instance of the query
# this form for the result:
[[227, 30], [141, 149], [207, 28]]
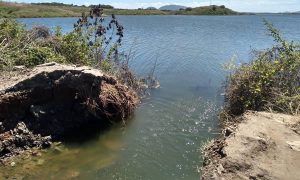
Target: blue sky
[[239, 5]]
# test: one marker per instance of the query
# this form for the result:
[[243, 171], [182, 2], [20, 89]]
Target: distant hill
[[207, 10], [172, 8], [25, 10]]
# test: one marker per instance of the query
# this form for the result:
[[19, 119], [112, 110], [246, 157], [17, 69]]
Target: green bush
[[87, 44], [22, 47], [74, 50], [270, 82]]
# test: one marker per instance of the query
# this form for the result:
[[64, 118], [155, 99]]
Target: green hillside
[[207, 10], [23, 10], [34, 10]]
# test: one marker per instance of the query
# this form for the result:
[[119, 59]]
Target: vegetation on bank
[[271, 81], [23, 10], [65, 100], [90, 43]]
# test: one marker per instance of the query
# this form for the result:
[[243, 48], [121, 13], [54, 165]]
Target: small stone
[[220, 169], [21, 128], [227, 132], [12, 164]]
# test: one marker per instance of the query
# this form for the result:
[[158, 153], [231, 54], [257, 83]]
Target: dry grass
[[117, 99]]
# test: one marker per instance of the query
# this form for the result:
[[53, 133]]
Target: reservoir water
[[163, 139]]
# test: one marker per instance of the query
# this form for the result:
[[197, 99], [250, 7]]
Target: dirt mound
[[263, 146], [58, 101]]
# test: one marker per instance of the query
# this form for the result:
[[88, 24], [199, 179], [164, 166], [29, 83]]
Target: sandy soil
[[20, 73], [262, 146]]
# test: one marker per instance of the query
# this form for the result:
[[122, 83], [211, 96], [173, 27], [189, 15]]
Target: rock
[[21, 128], [12, 164]]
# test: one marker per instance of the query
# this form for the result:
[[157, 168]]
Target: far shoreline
[[24, 10]]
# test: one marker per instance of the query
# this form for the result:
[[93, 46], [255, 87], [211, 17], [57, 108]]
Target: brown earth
[[262, 146], [55, 102]]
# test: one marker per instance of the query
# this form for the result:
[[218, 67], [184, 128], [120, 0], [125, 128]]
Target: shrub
[[92, 42], [269, 82], [19, 46], [87, 44]]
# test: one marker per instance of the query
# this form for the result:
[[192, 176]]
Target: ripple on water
[[163, 138]]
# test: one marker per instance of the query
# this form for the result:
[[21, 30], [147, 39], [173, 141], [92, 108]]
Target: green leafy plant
[[269, 82]]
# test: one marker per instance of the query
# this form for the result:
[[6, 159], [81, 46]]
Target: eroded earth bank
[[55, 102]]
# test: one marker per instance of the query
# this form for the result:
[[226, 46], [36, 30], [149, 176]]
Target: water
[[163, 139]]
